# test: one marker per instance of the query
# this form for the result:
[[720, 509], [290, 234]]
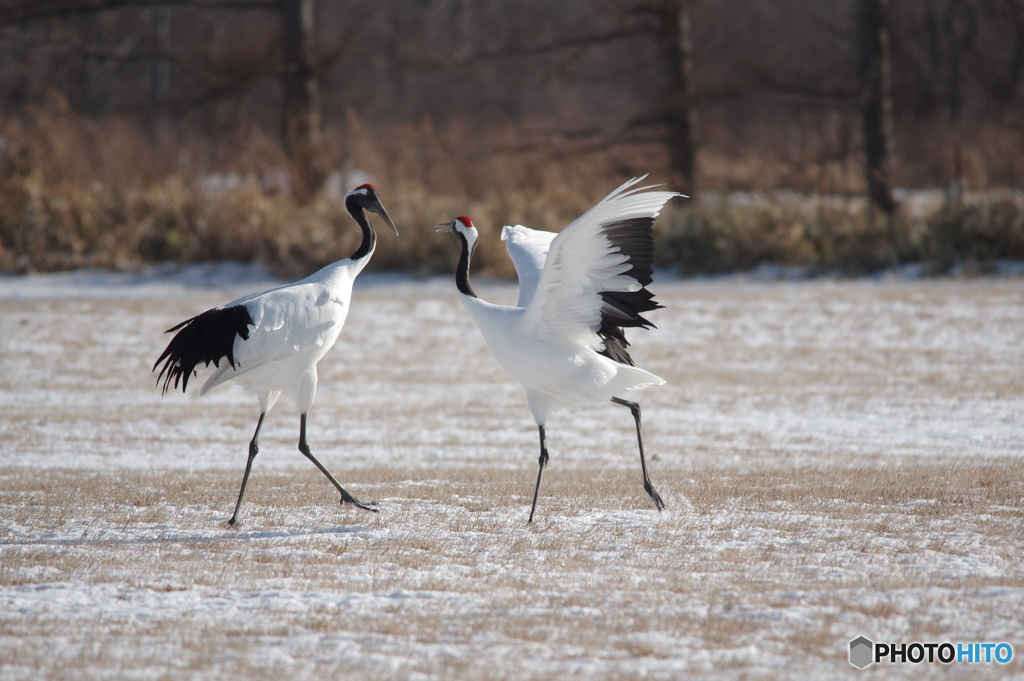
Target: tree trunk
[[876, 115], [301, 115], [681, 102], [161, 77], [1007, 94]]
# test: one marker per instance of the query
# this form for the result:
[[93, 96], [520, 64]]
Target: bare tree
[[676, 47], [876, 100], [161, 74], [1008, 91], [596, 76], [301, 114]]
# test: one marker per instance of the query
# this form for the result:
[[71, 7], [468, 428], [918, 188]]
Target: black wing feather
[[208, 337], [635, 239]]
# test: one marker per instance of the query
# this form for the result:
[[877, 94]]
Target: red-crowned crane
[[578, 289], [273, 340]]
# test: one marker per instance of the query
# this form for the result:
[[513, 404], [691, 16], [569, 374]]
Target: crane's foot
[[358, 504], [655, 497]]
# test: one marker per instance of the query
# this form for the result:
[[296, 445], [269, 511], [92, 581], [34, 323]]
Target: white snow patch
[[815, 374]]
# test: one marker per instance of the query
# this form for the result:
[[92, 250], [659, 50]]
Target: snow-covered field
[[838, 459]]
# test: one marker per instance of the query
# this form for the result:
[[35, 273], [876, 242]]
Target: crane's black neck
[[462, 269], [353, 204]]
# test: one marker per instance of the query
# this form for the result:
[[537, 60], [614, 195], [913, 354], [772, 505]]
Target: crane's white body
[[557, 372], [293, 327], [549, 340]]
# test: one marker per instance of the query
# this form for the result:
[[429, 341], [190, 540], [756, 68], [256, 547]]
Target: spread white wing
[[594, 277], [528, 249]]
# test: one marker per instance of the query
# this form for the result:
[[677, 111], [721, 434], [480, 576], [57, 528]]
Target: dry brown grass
[[76, 192]]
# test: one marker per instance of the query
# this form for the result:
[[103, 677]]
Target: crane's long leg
[[540, 471], [648, 487], [304, 448], [254, 448]]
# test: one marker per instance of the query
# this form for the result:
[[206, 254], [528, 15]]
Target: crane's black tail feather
[[208, 337]]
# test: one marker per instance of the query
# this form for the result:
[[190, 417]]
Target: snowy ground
[[838, 459]]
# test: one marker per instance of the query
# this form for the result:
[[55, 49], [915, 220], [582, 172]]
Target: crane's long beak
[[378, 208], [447, 226]]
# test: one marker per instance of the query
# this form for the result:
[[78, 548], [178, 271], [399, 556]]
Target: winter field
[[838, 459]]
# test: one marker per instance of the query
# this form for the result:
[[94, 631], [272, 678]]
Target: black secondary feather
[[208, 337], [634, 239]]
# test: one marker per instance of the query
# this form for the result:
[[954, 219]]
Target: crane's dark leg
[[254, 448], [540, 471], [304, 448], [648, 487]]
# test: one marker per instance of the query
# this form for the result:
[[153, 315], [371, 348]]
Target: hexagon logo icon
[[861, 652]]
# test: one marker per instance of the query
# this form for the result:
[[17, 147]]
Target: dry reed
[[81, 193]]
